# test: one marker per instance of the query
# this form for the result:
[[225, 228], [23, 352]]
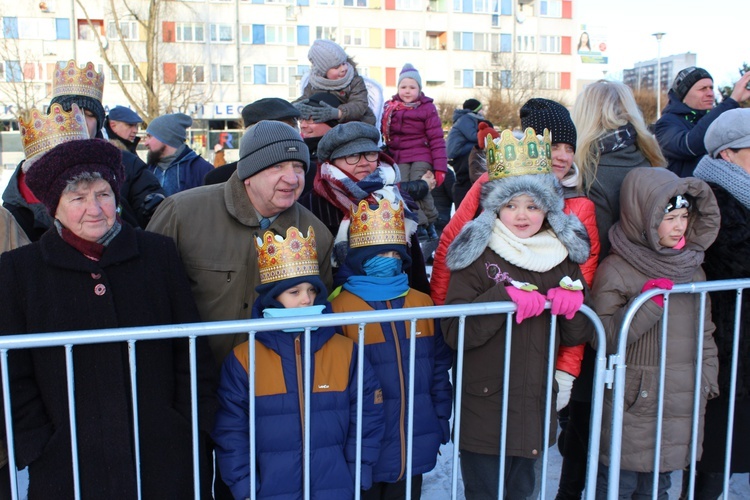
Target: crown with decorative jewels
[[41, 132], [283, 258], [382, 226], [508, 156], [69, 79]]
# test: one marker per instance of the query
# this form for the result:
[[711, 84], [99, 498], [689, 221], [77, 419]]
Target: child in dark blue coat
[[376, 259], [290, 286]]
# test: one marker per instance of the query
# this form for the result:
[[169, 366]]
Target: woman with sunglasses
[[351, 169]]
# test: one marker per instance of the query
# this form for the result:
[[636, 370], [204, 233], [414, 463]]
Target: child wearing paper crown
[[522, 248], [290, 286], [333, 71], [376, 259], [666, 224], [413, 132]]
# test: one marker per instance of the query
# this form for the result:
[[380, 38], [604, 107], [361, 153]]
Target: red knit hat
[[50, 173], [484, 130]]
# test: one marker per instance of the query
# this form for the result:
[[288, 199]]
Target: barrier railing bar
[[457, 390], [9, 436], [551, 360], [504, 405], [410, 406], [660, 395], [251, 376], [360, 399], [136, 425], [732, 389], [307, 400]]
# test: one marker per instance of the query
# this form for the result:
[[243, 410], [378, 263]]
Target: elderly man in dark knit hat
[[175, 165], [268, 108], [683, 124], [214, 225]]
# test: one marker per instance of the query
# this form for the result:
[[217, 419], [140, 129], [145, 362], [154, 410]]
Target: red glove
[[664, 283], [439, 177], [565, 302], [529, 303], [483, 131]]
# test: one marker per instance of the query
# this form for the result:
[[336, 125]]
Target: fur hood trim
[[546, 191]]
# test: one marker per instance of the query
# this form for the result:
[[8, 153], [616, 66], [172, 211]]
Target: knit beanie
[[473, 105], [49, 174], [540, 113], [484, 130], [267, 143], [83, 102], [170, 129], [268, 108], [324, 55], [409, 71], [348, 139], [686, 78]]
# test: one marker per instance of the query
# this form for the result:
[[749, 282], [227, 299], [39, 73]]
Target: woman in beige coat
[[666, 224]]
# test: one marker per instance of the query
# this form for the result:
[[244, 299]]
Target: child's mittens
[[324, 113], [564, 388], [529, 303], [439, 177], [565, 302], [664, 283]]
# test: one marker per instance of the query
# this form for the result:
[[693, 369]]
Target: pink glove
[[529, 303], [565, 302], [664, 283], [439, 177]]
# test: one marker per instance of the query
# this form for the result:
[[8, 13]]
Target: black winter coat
[[49, 286]]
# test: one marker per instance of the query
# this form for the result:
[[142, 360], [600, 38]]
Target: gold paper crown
[[69, 79], [282, 258], [41, 132], [382, 226], [510, 156]]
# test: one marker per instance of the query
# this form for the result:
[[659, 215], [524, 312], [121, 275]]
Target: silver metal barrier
[[618, 366], [68, 340]]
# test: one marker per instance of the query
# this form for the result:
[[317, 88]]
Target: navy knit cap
[[268, 108], [540, 113], [49, 174], [348, 139], [267, 143], [686, 78], [124, 115], [269, 291], [473, 105], [409, 71], [170, 129], [83, 102]]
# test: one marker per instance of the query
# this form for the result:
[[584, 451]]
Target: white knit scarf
[[539, 253], [322, 83]]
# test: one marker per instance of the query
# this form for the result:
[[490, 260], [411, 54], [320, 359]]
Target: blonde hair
[[602, 107]]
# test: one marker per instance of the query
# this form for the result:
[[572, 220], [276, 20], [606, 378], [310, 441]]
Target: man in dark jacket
[[683, 124], [175, 165]]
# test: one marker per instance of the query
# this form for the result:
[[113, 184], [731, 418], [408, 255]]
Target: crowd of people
[[334, 205]]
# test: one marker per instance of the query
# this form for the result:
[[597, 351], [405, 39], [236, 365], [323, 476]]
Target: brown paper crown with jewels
[[508, 156], [69, 79], [283, 258], [381, 226], [41, 132]]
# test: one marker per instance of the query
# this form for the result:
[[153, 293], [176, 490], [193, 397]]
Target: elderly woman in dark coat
[[90, 271], [726, 168], [352, 168]]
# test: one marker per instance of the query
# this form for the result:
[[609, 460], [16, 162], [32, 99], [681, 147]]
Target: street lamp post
[[658, 73]]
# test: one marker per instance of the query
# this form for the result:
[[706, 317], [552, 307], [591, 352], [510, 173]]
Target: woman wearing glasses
[[352, 168]]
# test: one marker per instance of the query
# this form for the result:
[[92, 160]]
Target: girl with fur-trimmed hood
[[519, 249], [666, 224]]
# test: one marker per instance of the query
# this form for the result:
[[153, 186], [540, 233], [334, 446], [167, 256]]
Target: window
[[281, 35], [475, 41], [275, 74], [88, 31], [191, 32], [549, 81], [435, 42], [10, 27], [506, 42], [355, 3], [13, 71], [549, 44], [526, 43], [550, 8], [221, 33], [325, 33], [222, 73], [190, 73], [129, 30], [325, 2], [409, 4], [126, 71], [505, 79], [355, 37], [463, 78], [483, 6], [32, 29], [247, 74], [408, 39]]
